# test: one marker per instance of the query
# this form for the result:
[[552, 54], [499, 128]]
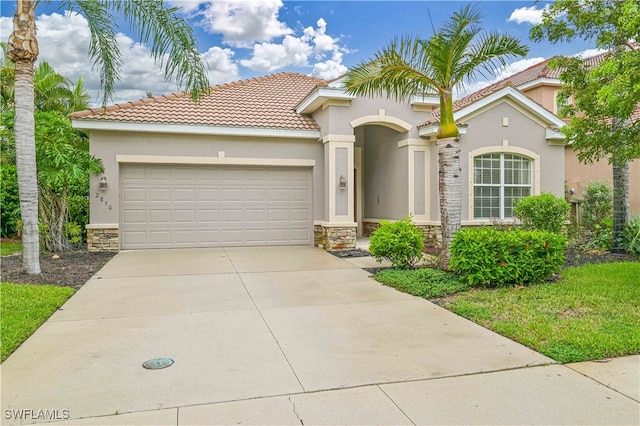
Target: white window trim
[[535, 182]]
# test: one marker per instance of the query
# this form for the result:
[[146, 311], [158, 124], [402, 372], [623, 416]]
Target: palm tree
[[451, 57], [172, 44]]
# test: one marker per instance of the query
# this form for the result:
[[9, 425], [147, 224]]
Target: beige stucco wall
[[107, 144], [384, 175], [545, 95], [578, 177], [486, 129], [336, 119]]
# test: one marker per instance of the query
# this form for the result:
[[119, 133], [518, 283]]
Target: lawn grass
[[7, 248], [23, 308], [592, 313], [423, 282]]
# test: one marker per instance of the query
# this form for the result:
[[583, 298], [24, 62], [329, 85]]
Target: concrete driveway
[[286, 335]]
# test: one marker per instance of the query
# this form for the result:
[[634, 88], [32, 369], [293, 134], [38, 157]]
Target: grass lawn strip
[[427, 283], [592, 313], [7, 247], [23, 308]]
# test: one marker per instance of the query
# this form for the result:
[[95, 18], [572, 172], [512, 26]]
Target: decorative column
[[339, 228]]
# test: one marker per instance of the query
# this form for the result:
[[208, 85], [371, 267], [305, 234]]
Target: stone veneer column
[[339, 228], [103, 238]]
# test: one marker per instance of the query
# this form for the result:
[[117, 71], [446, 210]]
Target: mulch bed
[[71, 268]]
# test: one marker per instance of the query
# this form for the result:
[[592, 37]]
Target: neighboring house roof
[[537, 74], [263, 102]]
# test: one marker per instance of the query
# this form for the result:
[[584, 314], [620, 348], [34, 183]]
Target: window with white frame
[[498, 180]]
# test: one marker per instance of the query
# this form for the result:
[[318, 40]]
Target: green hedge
[[488, 257]]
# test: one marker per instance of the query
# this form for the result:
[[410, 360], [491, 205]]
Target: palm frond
[[399, 70], [103, 46], [171, 41]]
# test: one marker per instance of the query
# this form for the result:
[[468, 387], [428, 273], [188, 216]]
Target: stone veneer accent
[[317, 235], [339, 238], [103, 239], [432, 234]]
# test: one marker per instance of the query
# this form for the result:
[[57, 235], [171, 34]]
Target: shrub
[[400, 243], [484, 256], [79, 213], [544, 212], [597, 204], [9, 201], [631, 237], [600, 238]]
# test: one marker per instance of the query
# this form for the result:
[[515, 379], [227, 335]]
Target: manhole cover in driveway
[[157, 363]]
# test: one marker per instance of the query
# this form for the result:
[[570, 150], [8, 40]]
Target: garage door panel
[[278, 176], [134, 238], [277, 195], [184, 236], [234, 216], [159, 217], [184, 194], [232, 194], [160, 237], [277, 215], [208, 194], [134, 217], [208, 216], [299, 235], [134, 194], [159, 194], [185, 173], [299, 195], [299, 215], [255, 215], [159, 174], [185, 217], [259, 175], [255, 194], [300, 177], [134, 172], [206, 206]]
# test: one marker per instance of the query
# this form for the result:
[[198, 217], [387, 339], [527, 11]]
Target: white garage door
[[207, 206]]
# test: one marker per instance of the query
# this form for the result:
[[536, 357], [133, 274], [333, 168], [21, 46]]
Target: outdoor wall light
[[343, 182], [103, 183]]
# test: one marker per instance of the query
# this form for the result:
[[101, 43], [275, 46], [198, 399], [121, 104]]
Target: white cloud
[[243, 22], [222, 69], [589, 53], [314, 45], [188, 7], [64, 43], [500, 74], [529, 15], [269, 57]]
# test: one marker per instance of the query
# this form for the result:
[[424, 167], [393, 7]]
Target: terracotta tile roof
[[469, 99], [266, 102], [534, 72]]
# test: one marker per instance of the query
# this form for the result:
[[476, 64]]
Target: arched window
[[498, 180]]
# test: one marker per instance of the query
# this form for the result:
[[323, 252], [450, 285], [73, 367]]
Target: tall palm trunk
[[450, 176], [621, 210], [22, 50], [450, 191]]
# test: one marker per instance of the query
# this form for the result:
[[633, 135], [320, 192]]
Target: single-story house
[[289, 159]]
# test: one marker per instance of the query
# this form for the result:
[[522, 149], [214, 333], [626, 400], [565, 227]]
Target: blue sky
[[248, 38]]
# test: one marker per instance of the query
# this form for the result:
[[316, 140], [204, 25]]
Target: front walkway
[[288, 335]]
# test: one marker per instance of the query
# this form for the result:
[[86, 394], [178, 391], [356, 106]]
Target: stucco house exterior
[[291, 159], [541, 84]]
